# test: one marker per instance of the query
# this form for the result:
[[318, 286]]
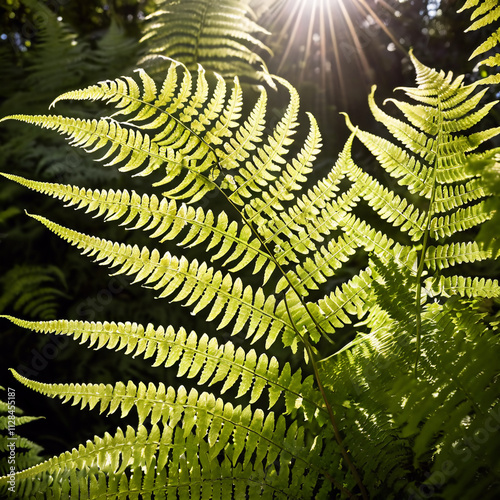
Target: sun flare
[[325, 41]]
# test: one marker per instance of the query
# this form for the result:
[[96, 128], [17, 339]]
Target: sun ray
[[336, 55], [309, 39], [317, 39], [293, 35]]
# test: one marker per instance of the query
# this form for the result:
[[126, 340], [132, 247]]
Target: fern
[[57, 47], [33, 290], [113, 49], [484, 14], [221, 37], [380, 416]]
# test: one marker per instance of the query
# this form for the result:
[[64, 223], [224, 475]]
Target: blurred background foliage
[[332, 51]]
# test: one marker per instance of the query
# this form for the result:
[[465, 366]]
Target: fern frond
[[57, 46], [192, 444], [485, 13], [35, 291], [189, 127], [293, 174], [448, 385], [256, 174], [17, 452], [208, 431], [465, 286], [433, 161], [193, 283], [221, 37], [200, 357], [448, 255], [167, 220], [460, 220]]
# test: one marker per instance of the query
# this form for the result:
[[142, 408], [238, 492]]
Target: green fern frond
[[485, 13], [167, 220], [464, 286], [290, 179], [438, 169], [253, 176], [184, 147], [17, 451], [443, 256], [58, 46], [448, 385], [193, 283], [433, 160], [200, 357], [389, 288], [203, 427], [113, 49], [221, 37]]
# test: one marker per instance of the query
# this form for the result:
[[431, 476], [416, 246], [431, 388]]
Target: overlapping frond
[[485, 13], [220, 36], [263, 168], [212, 435], [191, 133], [190, 282], [12, 443], [57, 46], [406, 293], [432, 162], [34, 291], [185, 124], [166, 220], [464, 286], [420, 423], [199, 357]]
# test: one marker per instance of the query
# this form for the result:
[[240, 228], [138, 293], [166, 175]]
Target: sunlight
[[325, 41]]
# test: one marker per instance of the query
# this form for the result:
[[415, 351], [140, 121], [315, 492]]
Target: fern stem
[[273, 258], [336, 431], [331, 415], [310, 353], [200, 31], [421, 264], [306, 343], [418, 299], [217, 163]]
